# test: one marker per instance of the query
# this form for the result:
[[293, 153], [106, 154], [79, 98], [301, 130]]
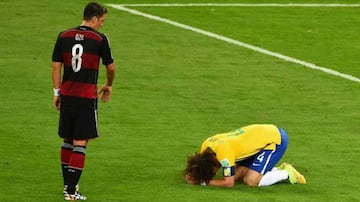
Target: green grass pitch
[[174, 88]]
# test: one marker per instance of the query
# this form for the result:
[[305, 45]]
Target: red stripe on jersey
[[89, 61], [87, 34], [80, 90]]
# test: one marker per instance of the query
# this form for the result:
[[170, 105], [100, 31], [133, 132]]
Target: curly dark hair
[[201, 167]]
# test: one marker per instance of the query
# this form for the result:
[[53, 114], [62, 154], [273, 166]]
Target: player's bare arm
[[225, 182], [56, 78], [106, 89]]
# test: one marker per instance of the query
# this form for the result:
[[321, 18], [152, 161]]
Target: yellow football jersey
[[244, 142]]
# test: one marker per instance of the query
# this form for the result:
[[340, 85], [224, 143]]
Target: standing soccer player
[[78, 51]]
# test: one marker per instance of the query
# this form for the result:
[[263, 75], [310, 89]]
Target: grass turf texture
[[173, 89]]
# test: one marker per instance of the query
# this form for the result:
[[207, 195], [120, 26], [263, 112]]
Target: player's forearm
[[110, 74], [56, 74], [222, 182]]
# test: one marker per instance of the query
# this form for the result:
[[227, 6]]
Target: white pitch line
[[236, 42], [240, 5]]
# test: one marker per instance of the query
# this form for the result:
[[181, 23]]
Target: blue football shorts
[[265, 160]]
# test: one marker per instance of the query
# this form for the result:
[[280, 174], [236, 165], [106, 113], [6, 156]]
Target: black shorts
[[78, 123]]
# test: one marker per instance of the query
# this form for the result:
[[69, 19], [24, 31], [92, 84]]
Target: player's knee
[[250, 181]]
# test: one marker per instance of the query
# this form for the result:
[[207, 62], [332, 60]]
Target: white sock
[[273, 177], [274, 168]]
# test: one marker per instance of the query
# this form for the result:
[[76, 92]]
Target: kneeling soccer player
[[247, 154]]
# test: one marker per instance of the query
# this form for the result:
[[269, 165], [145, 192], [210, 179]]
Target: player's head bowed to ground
[[202, 167], [247, 155]]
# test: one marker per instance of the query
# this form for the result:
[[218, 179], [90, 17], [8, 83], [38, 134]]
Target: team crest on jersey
[[225, 163]]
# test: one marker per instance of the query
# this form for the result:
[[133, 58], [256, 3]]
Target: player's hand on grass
[[105, 92]]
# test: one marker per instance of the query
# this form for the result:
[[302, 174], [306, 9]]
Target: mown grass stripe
[[238, 43]]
